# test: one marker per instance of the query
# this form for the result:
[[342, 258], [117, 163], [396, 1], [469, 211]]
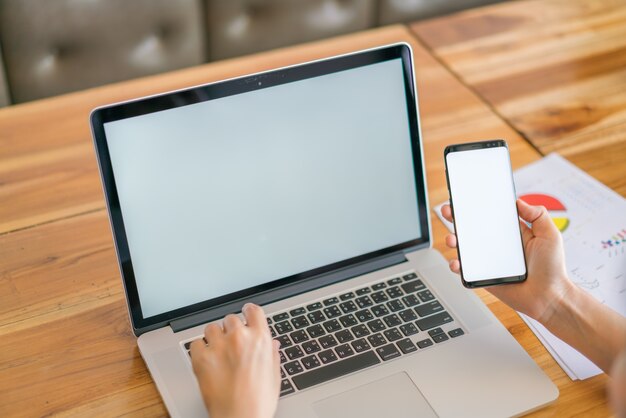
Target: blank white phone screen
[[485, 216]]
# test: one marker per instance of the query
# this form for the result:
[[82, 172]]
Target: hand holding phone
[[482, 196]]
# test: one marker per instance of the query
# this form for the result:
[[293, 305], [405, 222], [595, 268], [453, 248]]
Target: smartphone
[[486, 222]]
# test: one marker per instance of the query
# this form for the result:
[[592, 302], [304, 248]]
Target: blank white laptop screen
[[231, 193]]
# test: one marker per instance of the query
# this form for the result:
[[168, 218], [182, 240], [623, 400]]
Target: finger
[[455, 266], [213, 333], [255, 317], [196, 349], [446, 211], [538, 217], [451, 240], [232, 322]]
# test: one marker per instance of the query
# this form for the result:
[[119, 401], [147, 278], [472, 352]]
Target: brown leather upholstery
[[238, 27], [56, 46], [393, 11]]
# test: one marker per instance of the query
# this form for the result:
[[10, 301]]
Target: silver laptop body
[[303, 189]]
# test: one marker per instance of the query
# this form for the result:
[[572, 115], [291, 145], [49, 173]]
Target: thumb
[[538, 217]]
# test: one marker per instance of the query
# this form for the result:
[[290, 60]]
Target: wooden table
[[65, 342], [555, 70]]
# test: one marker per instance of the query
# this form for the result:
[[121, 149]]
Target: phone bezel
[[471, 146]]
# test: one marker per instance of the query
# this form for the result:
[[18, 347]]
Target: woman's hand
[[238, 370], [547, 283]]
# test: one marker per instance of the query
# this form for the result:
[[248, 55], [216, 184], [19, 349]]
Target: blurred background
[[50, 47]]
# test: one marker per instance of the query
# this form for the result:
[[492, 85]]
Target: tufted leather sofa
[[51, 47]]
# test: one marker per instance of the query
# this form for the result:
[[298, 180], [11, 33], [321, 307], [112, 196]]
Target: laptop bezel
[[240, 85]]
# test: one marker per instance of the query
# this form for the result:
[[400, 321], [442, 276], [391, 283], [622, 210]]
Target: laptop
[[303, 190]]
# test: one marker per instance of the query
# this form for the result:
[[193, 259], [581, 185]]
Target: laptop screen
[[232, 193]]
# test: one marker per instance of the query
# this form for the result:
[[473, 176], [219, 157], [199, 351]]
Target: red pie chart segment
[[537, 199], [551, 204]]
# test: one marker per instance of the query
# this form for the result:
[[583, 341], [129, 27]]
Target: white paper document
[[592, 219]]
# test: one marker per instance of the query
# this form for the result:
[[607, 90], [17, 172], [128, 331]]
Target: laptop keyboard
[[354, 330]]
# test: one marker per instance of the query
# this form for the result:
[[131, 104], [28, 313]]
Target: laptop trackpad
[[394, 396]]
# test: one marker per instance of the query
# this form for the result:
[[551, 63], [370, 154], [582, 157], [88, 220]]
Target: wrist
[[559, 301]]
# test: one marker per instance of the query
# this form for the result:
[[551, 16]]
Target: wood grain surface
[[65, 342], [554, 69]]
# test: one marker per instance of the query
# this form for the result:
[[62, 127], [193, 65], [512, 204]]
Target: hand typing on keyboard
[[238, 369]]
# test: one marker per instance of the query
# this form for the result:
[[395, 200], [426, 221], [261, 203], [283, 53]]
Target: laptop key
[[379, 297], [316, 316], [344, 350], [344, 336], [282, 373], [364, 302], [428, 308], [348, 320], [387, 352], [272, 331], [294, 352], [360, 331], [348, 306], [283, 327], [392, 334], [394, 292], [297, 312], [315, 331], [300, 322], [376, 340], [332, 325], [394, 281], [456, 333], [365, 315], [328, 341], [378, 286], [334, 370], [406, 346], [286, 388], [310, 347], [346, 296], [410, 300], [392, 320], [424, 343], [280, 317], [435, 331], [409, 276], [310, 362], [412, 286], [314, 306], [284, 341], [299, 336], [332, 311], [409, 329], [408, 315], [426, 296], [380, 310], [363, 291], [330, 301], [433, 321], [269, 320], [360, 345], [283, 359], [376, 325], [293, 367], [327, 356], [439, 338]]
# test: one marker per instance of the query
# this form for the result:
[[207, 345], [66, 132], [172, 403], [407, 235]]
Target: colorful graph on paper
[[552, 204]]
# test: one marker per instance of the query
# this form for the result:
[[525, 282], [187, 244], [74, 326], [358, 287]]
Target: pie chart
[[554, 205]]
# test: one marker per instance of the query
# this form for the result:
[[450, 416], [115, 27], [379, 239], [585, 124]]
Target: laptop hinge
[[287, 291]]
